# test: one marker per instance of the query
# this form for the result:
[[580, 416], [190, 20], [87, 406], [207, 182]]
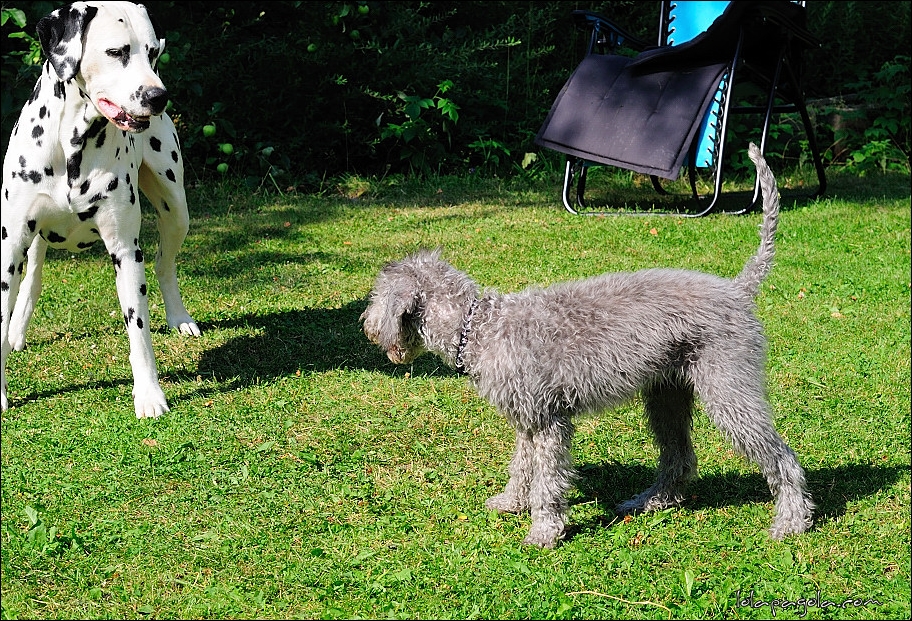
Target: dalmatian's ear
[[60, 35], [161, 49]]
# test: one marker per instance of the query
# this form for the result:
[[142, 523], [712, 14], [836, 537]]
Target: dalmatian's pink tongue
[[116, 115]]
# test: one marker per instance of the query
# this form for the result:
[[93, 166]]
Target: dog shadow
[[276, 345], [306, 340], [833, 489]]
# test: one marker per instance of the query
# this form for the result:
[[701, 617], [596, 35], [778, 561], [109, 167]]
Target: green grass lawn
[[299, 474]]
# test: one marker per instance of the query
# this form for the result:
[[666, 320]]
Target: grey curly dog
[[543, 356]]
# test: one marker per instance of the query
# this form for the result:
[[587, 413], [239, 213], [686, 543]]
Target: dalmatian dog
[[93, 131]]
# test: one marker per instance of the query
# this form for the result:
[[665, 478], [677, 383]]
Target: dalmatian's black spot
[[155, 143], [3, 232], [76, 140], [139, 323], [85, 245], [117, 154], [55, 238], [129, 316], [132, 196], [113, 184], [32, 224], [142, 289], [37, 133], [127, 178], [11, 269], [22, 161], [97, 197], [42, 112], [139, 256], [101, 140], [97, 126], [88, 213], [4, 286], [170, 175], [33, 175], [59, 90], [174, 156], [84, 188], [165, 206], [73, 164], [48, 171], [116, 262]]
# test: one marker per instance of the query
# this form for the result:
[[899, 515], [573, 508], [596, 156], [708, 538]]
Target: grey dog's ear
[[60, 35], [400, 301]]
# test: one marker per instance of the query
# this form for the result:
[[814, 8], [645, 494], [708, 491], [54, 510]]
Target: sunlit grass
[[299, 474]]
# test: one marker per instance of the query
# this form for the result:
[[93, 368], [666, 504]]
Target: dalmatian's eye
[[119, 53]]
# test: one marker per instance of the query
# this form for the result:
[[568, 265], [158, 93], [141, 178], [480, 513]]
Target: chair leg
[[581, 186], [809, 131], [570, 196], [657, 185]]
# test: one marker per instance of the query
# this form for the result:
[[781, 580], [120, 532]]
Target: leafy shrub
[[299, 92]]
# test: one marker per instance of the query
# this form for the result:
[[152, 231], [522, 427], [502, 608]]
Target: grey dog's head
[[391, 319]]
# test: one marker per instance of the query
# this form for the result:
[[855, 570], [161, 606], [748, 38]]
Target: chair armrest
[[606, 33]]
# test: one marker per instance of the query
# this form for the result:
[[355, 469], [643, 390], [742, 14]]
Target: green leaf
[[265, 446], [17, 15], [688, 581], [31, 514]]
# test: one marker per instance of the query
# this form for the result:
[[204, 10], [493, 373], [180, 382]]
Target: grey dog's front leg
[[552, 478], [515, 497]]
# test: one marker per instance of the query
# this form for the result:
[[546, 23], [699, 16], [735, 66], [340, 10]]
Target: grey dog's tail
[[761, 263]]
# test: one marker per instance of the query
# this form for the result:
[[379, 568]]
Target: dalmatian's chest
[[79, 189], [76, 217]]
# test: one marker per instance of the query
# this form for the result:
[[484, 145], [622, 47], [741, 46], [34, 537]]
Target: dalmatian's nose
[[155, 99]]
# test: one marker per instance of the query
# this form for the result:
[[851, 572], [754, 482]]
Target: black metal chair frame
[[607, 37]]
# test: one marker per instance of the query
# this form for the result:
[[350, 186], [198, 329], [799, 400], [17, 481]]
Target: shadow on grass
[[282, 343], [307, 340], [833, 489]]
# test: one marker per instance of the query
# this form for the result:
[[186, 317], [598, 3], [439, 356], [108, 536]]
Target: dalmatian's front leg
[[14, 240], [161, 178], [130, 273], [29, 293]]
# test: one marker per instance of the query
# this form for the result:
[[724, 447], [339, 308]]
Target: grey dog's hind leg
[[743, 415], [669, 409]]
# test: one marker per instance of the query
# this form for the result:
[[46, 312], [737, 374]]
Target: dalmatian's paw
[[150, 403], [184, 325], [17, 333], [17, 341]]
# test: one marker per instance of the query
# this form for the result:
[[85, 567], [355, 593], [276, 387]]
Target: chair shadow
[[832, 488]]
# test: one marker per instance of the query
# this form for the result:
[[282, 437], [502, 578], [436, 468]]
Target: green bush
[[299, 92]]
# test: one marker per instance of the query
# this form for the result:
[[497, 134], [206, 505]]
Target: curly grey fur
[[543, 356]]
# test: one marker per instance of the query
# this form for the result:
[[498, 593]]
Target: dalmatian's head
[[110, 49]]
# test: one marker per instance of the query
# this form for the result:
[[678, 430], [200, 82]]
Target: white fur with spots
[[92, 134]]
